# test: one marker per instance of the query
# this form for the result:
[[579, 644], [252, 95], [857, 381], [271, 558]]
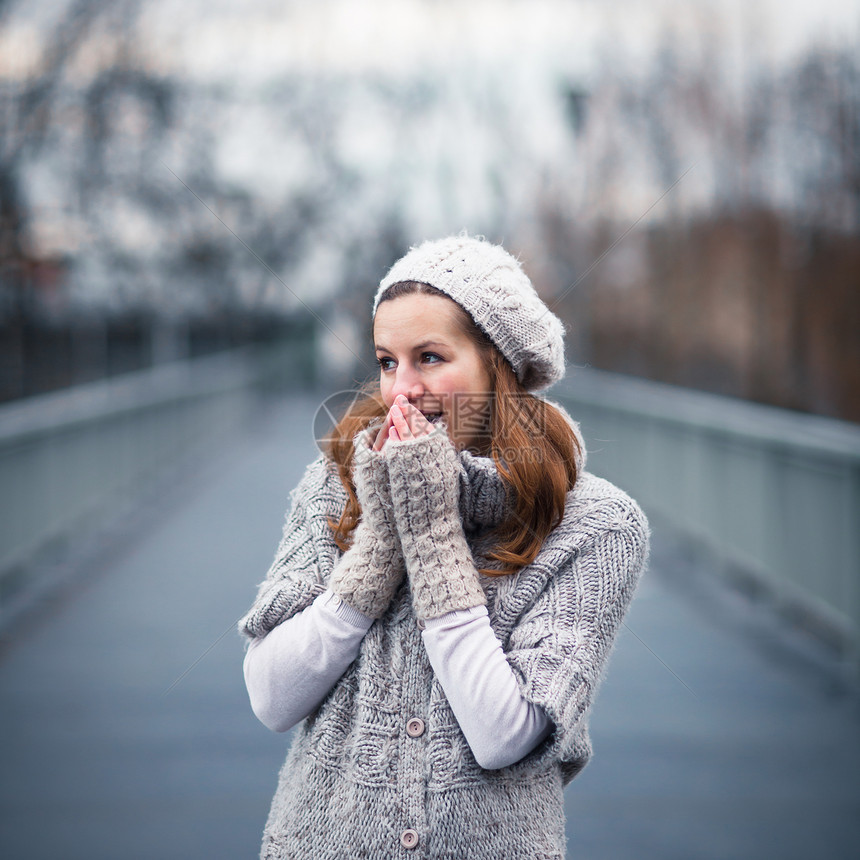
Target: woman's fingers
[[420, 425], [417, 423], [382, 435], [403, 421], [387, 431], [401, 425]]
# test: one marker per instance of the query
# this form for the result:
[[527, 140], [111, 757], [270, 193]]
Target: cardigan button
[[415, 727], [409, 839]]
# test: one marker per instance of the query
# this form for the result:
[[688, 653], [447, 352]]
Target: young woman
[[447, 589]]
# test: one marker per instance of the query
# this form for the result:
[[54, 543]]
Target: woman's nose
[[407, 382]]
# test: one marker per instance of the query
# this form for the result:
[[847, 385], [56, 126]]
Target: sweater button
[[409, 839], [415, 727]]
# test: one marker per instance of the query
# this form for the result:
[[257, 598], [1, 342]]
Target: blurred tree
[[27, 119], [745, 279]]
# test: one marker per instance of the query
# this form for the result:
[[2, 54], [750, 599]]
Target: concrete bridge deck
[[126, 731]]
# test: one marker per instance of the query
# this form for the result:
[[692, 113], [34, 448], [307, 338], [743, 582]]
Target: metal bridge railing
[[775, 494], [71, 458]]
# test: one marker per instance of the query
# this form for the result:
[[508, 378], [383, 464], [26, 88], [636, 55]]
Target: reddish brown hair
[[532, 444]]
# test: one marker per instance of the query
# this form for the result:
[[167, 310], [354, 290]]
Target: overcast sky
[[226, 39]]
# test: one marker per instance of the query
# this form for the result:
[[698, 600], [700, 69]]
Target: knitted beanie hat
[[488, 282]]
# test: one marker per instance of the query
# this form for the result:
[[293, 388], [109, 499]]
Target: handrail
[[773, 494], [69, 459]]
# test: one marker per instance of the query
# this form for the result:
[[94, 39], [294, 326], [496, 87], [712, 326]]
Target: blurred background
[[197, 202], [176, 178]]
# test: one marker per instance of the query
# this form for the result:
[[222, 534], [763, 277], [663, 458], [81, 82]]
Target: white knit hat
[[488, 282]]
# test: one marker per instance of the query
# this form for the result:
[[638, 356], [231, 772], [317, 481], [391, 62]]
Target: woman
[[447, 589]]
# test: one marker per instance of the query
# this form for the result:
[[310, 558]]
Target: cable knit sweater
[[357, 782], [292, 669]]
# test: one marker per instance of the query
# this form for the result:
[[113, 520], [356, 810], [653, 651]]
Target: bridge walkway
[[126, 732]]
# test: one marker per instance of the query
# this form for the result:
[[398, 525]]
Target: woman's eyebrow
[[418, 346]]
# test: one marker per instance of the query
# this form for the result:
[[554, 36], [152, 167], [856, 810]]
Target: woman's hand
[[424, 477], [371, 570], [403, 421]]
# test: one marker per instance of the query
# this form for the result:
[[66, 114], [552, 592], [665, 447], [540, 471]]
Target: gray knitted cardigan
[[354, 780]]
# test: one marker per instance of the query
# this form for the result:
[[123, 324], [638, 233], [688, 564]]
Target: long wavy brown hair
[[530, 441]]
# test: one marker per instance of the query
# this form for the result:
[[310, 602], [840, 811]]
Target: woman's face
[[423, 353]]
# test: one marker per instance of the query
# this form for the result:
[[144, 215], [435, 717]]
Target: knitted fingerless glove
[[369, 573], [424, 475]]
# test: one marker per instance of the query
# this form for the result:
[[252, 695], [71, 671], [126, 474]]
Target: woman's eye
[[386, 363]]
